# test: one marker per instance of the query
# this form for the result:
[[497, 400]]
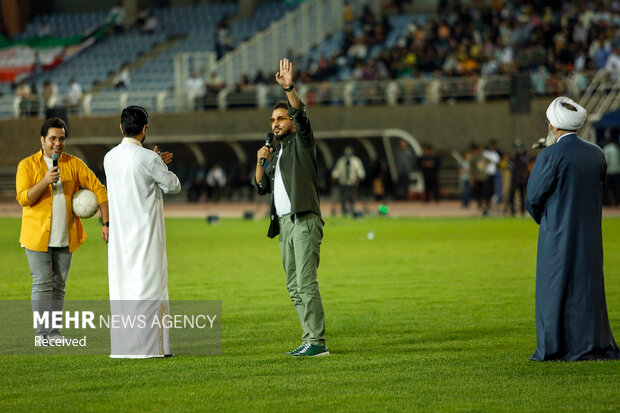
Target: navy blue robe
[[564, 196]]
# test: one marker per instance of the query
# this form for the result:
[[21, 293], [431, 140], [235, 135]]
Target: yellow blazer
[[37, 216]]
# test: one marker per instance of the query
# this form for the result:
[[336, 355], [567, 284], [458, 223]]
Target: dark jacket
[[299, 171]]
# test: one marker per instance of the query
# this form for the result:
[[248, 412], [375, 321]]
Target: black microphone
[[268, 140], [55, 159]]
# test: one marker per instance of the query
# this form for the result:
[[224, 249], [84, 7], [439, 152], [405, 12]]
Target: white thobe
[[137, 178]]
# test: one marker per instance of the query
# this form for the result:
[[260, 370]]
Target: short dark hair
[[282, 104], [133, 120], [53, 123]]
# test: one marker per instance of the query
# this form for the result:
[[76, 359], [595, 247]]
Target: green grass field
[[433, 315]]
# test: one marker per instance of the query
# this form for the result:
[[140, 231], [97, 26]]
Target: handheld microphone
[[268, 140], [541, 143], [55, 159]]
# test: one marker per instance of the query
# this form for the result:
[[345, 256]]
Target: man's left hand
[[105, 233], [165, 156], [285, 76]]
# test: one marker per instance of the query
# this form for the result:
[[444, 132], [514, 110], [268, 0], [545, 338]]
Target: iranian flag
[[19, 59]]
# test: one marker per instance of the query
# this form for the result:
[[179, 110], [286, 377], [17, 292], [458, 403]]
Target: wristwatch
[[106, 224], [288, 89]]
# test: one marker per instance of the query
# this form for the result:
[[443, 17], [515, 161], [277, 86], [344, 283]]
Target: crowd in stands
[[547, 38], [550, 39]]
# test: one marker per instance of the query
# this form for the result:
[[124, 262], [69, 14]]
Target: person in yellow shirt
[[50, 231]]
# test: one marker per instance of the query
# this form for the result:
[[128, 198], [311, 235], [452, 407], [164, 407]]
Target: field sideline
[[433, 314]]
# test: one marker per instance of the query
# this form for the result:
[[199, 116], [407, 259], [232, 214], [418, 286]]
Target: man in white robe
[[137, 178]]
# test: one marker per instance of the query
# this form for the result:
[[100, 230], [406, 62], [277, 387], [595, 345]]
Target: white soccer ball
[[85, 203]]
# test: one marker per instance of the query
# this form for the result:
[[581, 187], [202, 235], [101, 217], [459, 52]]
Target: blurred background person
[[464, 162], [122, 79], [405, 160], [74, 97], [494, 177], [612, 180], [216, 182], [519, 173], [480, 179], [348, 172], [430, 163], [196, 90]]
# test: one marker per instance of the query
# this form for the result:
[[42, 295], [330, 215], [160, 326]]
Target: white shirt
[[613, 62], [195, 86], [612, 156], [494, 159], [349, 170], [75, 93], [280, 197], [216, 177], [59, 236]]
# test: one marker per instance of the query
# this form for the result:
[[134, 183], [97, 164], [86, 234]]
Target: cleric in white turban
[[566, 115], [564, 196]]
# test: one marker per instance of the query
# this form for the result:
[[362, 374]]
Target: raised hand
[[165, 156], [285, 76]]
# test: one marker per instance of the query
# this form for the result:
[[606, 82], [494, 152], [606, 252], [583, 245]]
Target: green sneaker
[[310, 350], [297, 350]]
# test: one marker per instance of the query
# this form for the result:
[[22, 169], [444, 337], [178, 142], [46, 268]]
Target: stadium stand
[[460, 52]]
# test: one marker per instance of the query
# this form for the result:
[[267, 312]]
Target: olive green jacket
[[298, 168]]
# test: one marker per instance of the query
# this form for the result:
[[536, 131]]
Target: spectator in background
[[216, 182], [37, 68], [151, 24], [347, 12], [479, 178], [405, 160], [122, 80], [196, 90], [197, 185], [612, 180], [348, 172], [45, 30], [613, 60], [494, 177], [378, 176], [28, 100], [430, 163], [117, 14], [74, 96], [464, 162], [51, 97], [223, 39], [519, 173], [214, 83]]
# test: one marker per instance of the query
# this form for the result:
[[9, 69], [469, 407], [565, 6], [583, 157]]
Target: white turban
[[563, 118]]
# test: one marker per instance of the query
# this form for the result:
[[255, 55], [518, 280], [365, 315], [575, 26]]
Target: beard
[[282, 135], [550, 140]]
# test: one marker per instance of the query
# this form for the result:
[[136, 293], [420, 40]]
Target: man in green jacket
[[288, 171]]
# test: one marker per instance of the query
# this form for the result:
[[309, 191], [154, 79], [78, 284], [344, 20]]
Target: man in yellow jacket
[[50, 231]]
